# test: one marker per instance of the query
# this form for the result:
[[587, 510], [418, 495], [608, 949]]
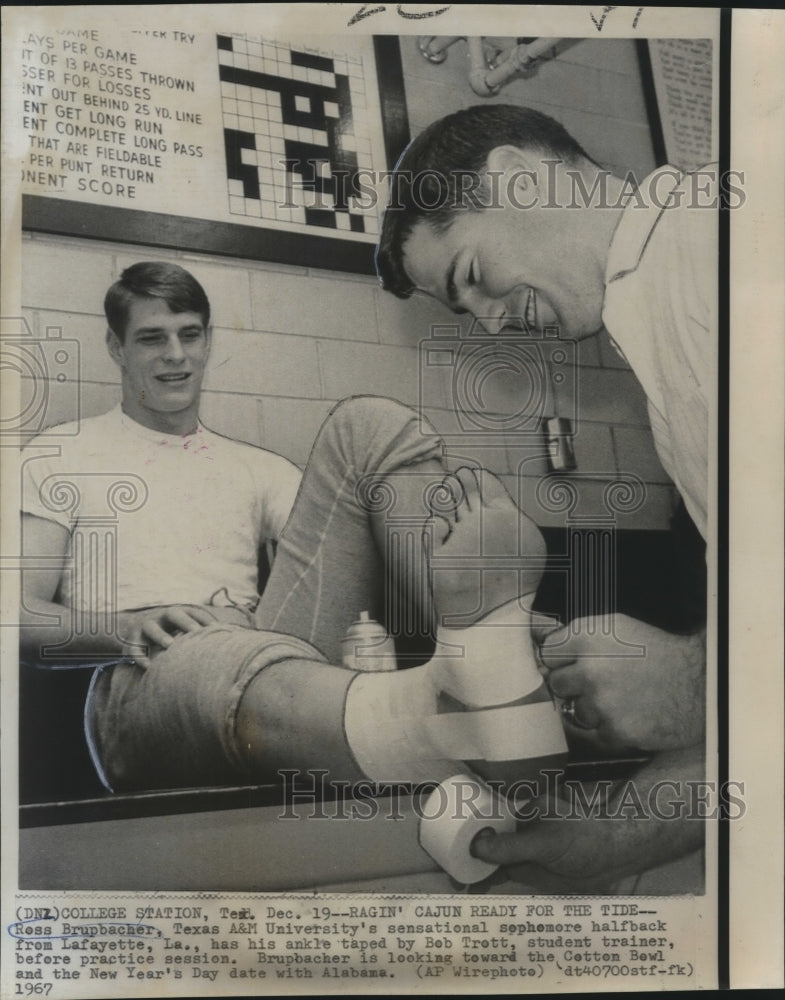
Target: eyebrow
[[142, 330]]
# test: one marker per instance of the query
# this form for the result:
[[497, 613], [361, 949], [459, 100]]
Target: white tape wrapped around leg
[[397, 735], [490, 663], [516, 732], [452, 816], [383, 721]]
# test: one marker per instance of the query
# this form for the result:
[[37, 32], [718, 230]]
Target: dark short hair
[[429, 180], [154, 280]]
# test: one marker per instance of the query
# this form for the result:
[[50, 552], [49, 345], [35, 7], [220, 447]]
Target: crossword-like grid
[[296, 131]]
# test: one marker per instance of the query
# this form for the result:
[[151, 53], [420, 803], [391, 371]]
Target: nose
[[174, 350], [490, 314]]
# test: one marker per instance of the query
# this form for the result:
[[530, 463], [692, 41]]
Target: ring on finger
[[568, 712]]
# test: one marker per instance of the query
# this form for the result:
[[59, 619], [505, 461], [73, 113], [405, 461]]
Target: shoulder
[[61, 433], [682, 255], [255, 457], [690, 213], [665, 246], [74, 436]]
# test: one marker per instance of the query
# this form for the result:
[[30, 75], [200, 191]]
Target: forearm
[[678, 718], [138, 634], [647, 821], [50, 633], [652, 819]]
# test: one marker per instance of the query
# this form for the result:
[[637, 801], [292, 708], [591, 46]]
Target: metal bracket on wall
[[490, 65]]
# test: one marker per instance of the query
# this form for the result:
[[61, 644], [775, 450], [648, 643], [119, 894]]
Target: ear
[[208, 336], [519, 170], [115, 347]]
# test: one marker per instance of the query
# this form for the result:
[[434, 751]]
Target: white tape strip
[[396, 733], [431, 748], [514, 733]]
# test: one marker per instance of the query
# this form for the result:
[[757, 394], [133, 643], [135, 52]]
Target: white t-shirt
[[157, 518], [660, 309]]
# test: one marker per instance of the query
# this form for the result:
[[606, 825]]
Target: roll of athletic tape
[[452, 816]]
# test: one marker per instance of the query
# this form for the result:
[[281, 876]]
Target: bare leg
[[228, 703]]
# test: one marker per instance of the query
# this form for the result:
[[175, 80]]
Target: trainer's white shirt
[[660, 309]]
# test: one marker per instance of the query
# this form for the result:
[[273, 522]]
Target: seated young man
[[142, 522]]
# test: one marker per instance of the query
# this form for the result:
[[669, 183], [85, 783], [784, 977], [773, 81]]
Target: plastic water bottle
[[367, 646]]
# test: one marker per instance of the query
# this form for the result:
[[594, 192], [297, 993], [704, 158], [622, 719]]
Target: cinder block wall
[[289, 342]]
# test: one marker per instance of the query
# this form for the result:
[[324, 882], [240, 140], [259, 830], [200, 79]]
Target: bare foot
[[484, 552]]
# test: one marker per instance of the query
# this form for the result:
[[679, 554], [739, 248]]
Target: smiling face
[[510, 264], [162, 359]]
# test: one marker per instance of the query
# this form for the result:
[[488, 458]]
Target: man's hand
[[553, 852], [569, 844], [648, 696], [149, 630]]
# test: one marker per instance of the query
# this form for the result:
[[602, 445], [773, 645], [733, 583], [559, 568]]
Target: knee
[[366, 430], [365, 414], [373, 435], [174, 725]]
